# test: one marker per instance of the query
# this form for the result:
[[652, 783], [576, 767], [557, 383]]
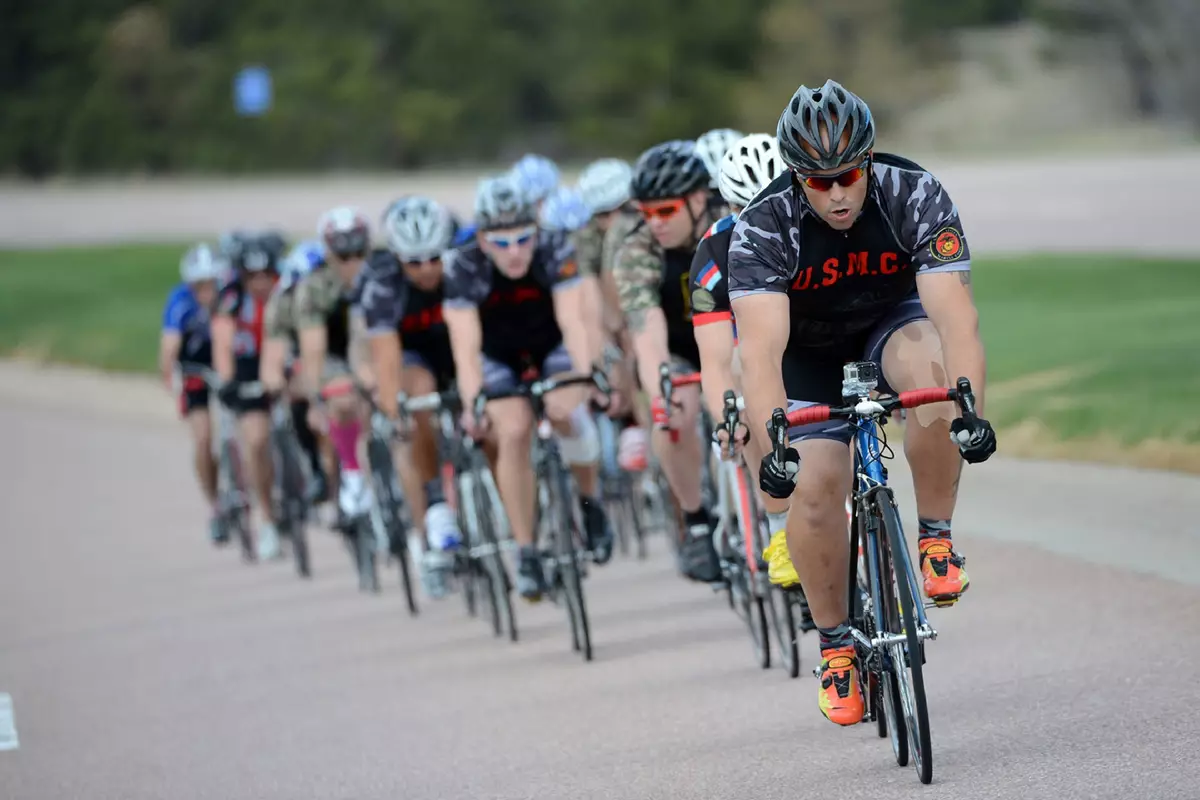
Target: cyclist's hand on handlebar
[[228, 394], [475, 427], [315, 419], [731, 449], [777, 478], [975, 438]]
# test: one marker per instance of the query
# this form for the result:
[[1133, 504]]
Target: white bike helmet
[[750, 164], [537, 176], [606, 184], [564, 210], [344, 231], [500, 203], [202, 263], [418, 229], [711, 147]]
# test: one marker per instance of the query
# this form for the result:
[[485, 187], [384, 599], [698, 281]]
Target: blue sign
[[252, 91]]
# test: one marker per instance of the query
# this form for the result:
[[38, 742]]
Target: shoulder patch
[[946, 245]]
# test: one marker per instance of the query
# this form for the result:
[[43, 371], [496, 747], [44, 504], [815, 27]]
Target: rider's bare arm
[[570, 302], [168, 352], [359, 351], [223, 330], [466, 343], [715, 342], [946, 297]]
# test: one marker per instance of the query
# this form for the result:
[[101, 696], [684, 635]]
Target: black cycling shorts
[[814, 376]]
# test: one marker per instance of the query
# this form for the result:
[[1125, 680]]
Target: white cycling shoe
[[267, 543], [354, 494]]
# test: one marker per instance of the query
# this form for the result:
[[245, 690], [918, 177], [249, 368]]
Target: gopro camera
[[859, 379]]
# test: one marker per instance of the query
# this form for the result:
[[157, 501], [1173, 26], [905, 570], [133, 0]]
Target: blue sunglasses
[[505, 241]]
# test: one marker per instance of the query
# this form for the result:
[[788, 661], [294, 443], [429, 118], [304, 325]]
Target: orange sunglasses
[[663, 209]]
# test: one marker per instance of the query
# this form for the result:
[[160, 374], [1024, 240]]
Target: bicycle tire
[[890, 723], [364, 552], [779, 610], [237, 510], [635, 510], [859, 584], [567, 535], [499, 585], [756, 614], [383, 476], [912, 685], [292, 501], [464, 566]]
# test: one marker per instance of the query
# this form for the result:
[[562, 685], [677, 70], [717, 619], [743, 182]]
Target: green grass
[[96, 306], [1128, 328]]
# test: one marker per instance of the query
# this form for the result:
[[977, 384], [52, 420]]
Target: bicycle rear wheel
[[364, 554], [907, 657]]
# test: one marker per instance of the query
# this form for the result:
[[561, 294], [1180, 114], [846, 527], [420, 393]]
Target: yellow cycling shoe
[[780, 570]]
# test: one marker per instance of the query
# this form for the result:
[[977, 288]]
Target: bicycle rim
[[406, 578], [748, 527], [906, 658]]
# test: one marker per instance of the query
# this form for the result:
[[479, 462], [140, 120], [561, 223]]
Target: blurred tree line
[[108, 86]]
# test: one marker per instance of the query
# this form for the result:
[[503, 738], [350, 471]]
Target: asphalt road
[[143, 663]]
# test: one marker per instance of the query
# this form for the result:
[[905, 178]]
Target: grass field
[[1090, 353]]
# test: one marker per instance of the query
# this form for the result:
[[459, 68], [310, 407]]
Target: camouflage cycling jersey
[[279, 320], [622, 225]]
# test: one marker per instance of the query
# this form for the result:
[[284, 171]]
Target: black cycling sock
[[697, 517], [433, 492], [933, 528], [304, 434], [836, 637]]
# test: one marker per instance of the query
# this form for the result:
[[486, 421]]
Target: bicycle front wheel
[[754, 603], [568, 534], [492, 561], [383, 475], [907, 657]]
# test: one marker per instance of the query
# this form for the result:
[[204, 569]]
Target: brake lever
[[966, 398], [777, 429]]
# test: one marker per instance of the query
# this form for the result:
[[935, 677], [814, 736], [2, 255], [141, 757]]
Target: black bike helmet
[[257, 255], [668, 170], [830, 107]]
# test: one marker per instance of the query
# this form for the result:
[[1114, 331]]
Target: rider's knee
[[342, 409], [513, 433], [823, 480]]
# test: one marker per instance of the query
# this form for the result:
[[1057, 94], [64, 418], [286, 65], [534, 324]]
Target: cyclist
[[750, 164], [606, 187], [853, 254], [565, 211], [281, 346], [324, 321], [537, 176], [237, 338], [711, 146], [651, 270], [513, 309], [186, 342], [410, 352]]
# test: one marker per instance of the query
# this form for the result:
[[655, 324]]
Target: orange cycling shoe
[[945, 578], [840, 697]]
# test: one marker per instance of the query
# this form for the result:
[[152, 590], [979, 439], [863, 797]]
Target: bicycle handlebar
[[434, 401], [247, 390], [780, 421], [537, 389]]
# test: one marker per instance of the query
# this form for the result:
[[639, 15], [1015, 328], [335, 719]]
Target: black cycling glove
[[779, 479], [975, 439]]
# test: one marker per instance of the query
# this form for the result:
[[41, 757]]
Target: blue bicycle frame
[[870, 478]]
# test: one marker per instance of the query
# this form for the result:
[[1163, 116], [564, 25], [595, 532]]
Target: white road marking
[[8, 724]]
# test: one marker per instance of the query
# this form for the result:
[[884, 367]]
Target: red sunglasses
[[847, 177], [663, 209]]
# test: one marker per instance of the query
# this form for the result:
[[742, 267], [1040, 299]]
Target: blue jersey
[[185, 316], [465, 235]]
